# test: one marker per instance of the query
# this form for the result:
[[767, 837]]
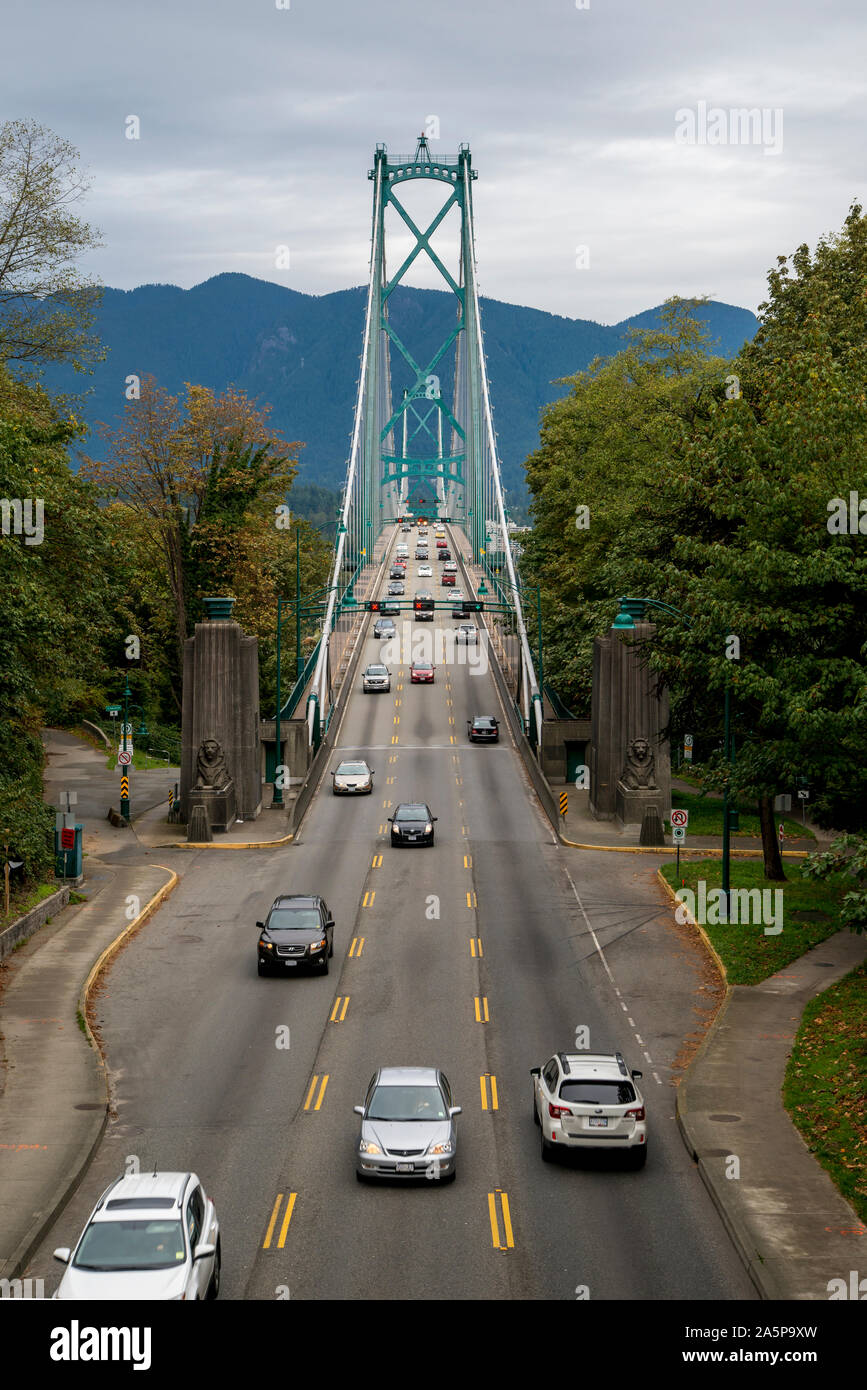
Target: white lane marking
[[630, 1021], [656, 1078]]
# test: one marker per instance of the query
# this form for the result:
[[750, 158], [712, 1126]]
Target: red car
[[421, 671], [449, 579]]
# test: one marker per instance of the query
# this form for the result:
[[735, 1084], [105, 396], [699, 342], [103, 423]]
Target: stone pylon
[[221, 701], [626, 708]]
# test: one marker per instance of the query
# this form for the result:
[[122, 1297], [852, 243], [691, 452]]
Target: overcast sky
[[258, 126]]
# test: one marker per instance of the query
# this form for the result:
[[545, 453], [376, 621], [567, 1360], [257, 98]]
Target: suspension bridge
[[422, 441]]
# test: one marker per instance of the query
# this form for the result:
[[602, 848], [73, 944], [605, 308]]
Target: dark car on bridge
[[483, 728], [396, 587], [384, 627], [396, 572], [412, 824], [298, 931]]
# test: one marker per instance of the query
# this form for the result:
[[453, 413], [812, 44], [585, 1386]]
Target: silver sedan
[[352, 779], [407, 1126]]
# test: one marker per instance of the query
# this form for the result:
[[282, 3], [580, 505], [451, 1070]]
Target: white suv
[[150, 1236], [589, 1100]]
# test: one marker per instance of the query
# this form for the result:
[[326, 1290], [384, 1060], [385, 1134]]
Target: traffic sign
[[124, 787], [687, 740], [678, 817], [678, 834], [124, 758], [126, 729], [803, 794], [564, 803]]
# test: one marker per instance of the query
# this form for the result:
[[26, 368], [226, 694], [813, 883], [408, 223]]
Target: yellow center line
[[481, 1006], [368, 898], [468, 861], [359, 942], [266, 1244], [377, 861], [346, 1006], [507, 1221], [322, 1091], [290, 1207], [310, 1092], [492, 1213]]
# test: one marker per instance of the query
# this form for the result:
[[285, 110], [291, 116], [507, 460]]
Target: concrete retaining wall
[[32, 921]]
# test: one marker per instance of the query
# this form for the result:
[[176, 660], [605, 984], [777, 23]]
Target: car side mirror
[[62, 1254], [202, 1252], [638, 1075], [535, 1071], [330, 922], [455, 1110], [261, 926], [434, 818], [391, 818], [359, 1109]]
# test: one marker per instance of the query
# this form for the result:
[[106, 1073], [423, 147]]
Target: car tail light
[[637, 1113], [555, 1111]]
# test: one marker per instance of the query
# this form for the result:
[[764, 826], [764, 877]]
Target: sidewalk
[[791, 1226], [579, 827]]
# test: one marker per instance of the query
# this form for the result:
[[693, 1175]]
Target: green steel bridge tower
[[435, 449]]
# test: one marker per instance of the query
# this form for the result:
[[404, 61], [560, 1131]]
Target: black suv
[[299, 930]]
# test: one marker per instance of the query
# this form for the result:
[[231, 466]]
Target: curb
[[740, 1238], [247, 844], [106, 955], [17, 1262], [672, 849]]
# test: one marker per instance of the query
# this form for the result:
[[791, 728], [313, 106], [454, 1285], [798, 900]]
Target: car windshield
[[353, 769], [407, 1103], [116, 1245], [484, 721], [294, 919], [597, 1092], [411, 813], [377, 670]]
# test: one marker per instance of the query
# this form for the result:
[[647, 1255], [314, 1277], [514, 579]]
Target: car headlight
[[428, 828], [266, 945], [318, 945], [366, 1147], [444, 1148]]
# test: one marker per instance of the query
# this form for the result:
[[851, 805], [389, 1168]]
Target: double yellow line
[[290, 1207], [495, 1216]]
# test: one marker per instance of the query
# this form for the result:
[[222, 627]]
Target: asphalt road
[[494, 922]]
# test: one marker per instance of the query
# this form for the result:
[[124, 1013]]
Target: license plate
[[596, 1123], [404, 1167], [287, 963]]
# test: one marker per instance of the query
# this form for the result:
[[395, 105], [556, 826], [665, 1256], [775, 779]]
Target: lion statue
[[638, 770], [211, 766]]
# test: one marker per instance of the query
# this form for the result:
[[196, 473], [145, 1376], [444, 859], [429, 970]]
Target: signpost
[[564, 803], [679, 820], [124, 757], [687, 747]]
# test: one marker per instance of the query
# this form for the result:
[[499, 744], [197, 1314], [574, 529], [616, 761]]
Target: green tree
[[47, 307]]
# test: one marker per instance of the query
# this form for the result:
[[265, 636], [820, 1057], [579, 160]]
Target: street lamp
[[632, 610]]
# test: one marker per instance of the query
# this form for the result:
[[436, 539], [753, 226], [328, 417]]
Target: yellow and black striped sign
[[564, 803], [171, 798], [124, 785]]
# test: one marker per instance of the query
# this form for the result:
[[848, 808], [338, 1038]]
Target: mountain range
[[300, 354]]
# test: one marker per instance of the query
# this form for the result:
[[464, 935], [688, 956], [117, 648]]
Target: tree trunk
[[770, 843]]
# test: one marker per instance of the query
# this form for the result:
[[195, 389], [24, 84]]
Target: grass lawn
[[19, 904], [141, 762], [826, 1081], [810, 914], [705, 818]]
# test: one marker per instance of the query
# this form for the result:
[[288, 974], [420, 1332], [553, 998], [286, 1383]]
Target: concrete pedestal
[[218, 804]]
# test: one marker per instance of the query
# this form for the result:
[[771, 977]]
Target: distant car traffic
[[352, 777], [425, 572], [396, 588], [590, 1100], [449, 579], [483, 728], [396, 572], [376, 677], [407, 1126], [150, 1236], [444, 554], [421, 671], [299, 930], [421, 552], [466, 633], [412, 824], [384, 627]]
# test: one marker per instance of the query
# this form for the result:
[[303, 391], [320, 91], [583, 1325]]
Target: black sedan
[[396, 588], [396, 572], [412, 824], [483, 728]]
